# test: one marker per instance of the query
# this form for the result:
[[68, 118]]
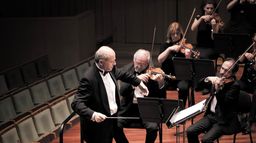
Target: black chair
[[243, 109]]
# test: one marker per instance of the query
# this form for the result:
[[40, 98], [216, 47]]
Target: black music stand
[[231, 44], [157, 110], [193, 70]]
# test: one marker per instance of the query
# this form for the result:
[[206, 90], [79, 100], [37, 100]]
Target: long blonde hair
[[173, 28]]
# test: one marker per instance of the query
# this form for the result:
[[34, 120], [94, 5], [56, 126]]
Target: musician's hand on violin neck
[[144, 77], [249, 56], [175, 48], [206, 18]]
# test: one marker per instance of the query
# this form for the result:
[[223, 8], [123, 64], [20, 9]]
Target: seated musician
[[129, 104], [220, 117], [170, 49], [248, 81]]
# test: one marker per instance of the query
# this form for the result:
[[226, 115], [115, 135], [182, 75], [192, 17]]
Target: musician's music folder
[[186, 114]]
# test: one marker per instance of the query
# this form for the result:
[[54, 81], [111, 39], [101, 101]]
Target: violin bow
[[240, 57], [152, 47], [217, 6], [183, 37]]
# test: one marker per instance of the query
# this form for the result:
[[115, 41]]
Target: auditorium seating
[[3, 85], [22, 101], [33, 113], [14, 78], [29, 72], [9, 134], [40, 93], [81, 69], [70, 79], [56, 86], [26, 129], [7, 110]]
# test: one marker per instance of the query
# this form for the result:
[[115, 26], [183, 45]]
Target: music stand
[[231, 44], [157, 110], [192, 70]]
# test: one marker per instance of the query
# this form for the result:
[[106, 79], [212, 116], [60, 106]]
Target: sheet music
[[188, 112]]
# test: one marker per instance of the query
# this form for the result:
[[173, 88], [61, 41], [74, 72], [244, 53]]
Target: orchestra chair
[[243, 108]]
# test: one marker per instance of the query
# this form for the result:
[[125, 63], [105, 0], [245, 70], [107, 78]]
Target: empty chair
[[70, 79], [14, 78], [27, 130], [43, 66], [91, 61], [69, 101], [43, 120], [29, 72], [81, 69], [44, 123], [40, 93], [59, 110], [3, 85], [9, 134], [56, 86], [7, 110], [22, 101]]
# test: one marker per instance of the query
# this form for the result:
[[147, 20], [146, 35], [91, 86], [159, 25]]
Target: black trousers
[[212, 129]]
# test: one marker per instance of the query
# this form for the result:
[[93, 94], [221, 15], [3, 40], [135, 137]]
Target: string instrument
[[185, 45], [153, 71], [251, 65], [215, 90]]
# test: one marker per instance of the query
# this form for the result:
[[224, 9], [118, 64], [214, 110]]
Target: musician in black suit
[[97, 97], [221, 116], [248, 81], [129, 105]]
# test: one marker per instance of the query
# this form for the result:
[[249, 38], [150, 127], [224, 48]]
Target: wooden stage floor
[[138, 135]]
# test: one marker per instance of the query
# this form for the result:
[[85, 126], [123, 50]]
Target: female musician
[[248, 80], [171, 48], [207, 24], [220, 117], [242, 16]]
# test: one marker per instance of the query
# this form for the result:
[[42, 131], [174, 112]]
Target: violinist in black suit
[[129, 104], [221, 116], [248, 81], [97, 97]]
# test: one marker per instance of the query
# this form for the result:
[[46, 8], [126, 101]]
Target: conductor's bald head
[[105, 57]]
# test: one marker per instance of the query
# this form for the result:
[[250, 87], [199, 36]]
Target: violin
[[185, 45], [153, 71]]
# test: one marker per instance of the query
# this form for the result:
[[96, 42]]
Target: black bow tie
[[103, 72]]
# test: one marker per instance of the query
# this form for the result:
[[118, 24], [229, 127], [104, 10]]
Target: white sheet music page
[[188, 112]]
